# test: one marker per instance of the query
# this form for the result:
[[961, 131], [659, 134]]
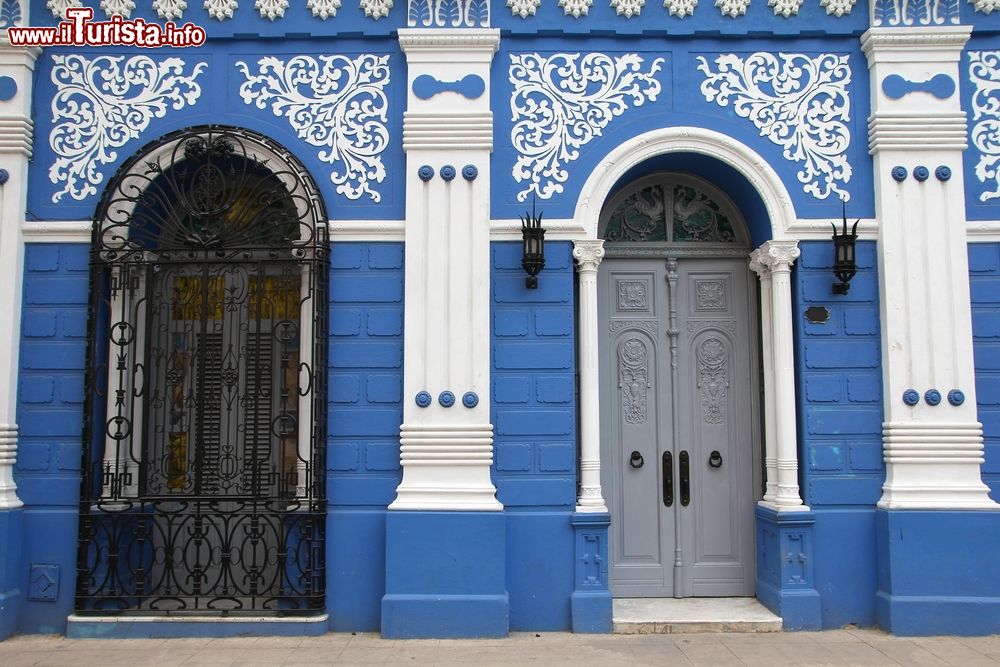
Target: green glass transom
[[693, 217]]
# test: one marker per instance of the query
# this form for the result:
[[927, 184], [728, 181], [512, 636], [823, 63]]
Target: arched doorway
[[680, 436], [203, 481]]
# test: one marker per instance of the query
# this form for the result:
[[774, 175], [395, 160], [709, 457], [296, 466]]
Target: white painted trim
[[751, 165], [557, 229], [983, 231], [56, 231], [345, 231]]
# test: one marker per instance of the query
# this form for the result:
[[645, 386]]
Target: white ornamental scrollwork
[[221, 10], [524, 8], [561, 102], [984, 72], [914, 12], [334, 103], [323, 9], [713, 379], [101, 104], [169, 9], [633, 379], [798, 102], [448, 13]]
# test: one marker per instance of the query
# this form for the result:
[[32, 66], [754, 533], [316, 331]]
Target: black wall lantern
[[533, 253], [844, 263]]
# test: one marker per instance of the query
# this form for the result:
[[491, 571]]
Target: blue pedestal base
[[590, 603], [445, 575], [11, 595], [938, 572], [785, 568]]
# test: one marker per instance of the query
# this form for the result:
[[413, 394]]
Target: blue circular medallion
[[943, 173], [447, 399], [4, 176], [423, 399], [899, 174], [447, 172], [469, 172], [921, 173], [8, 88], [911, 397], [956, 397], [470, 399], [932, 396], [425, 173]]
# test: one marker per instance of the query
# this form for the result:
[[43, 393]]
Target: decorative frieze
[[448, 13], [808, 93], [984, 73], [101, 104], [914, 12], [335, 103], [561, 102]]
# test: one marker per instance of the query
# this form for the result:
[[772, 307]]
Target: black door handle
[[715, 459], [668, 479], [685, 479], [635, 460]]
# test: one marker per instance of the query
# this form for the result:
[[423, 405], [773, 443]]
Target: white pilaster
[[931, 437], [18, 63], [588, 256], [446, 436], [767, 340], [778, 257]]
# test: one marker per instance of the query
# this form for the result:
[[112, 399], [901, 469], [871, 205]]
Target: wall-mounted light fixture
[[844, 263], [533, 253]]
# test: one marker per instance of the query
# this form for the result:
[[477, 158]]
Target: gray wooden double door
[[678, 427]]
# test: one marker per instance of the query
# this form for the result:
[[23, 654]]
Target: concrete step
[[672, 615]]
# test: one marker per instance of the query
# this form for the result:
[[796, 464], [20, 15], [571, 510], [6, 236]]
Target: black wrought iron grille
[[203, 476]]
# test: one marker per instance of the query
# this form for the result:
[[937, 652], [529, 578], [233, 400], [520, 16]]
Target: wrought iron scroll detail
[[633, 374], [203, 474], [713, 379]]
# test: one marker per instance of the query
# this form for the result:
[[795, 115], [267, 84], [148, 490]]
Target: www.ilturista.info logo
[[79, 30]]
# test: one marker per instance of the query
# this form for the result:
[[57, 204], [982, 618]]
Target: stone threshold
[[632, 616]]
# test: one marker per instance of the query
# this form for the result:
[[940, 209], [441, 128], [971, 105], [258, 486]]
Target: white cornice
[[910, 44], [413, 40]]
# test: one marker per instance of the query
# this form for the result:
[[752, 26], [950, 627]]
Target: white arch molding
[[772, 262]]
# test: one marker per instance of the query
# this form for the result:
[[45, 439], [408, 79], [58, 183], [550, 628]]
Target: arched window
[[204, 483]]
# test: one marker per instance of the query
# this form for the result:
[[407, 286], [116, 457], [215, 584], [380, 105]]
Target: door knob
[[635, 460], [715, 459]]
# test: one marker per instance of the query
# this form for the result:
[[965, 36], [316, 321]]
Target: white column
[[778, 256], [932, 440], [588, 256], [446, 437], [17, 63], [767, 341]]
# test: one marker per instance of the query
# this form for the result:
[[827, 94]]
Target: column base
[[785, 571], [938, 573], [590, 603], [11, 596], [445, 575]]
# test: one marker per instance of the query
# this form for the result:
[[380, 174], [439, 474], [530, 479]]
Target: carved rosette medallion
[[632, 296], [713, 379], [710, 295], [633, 379]]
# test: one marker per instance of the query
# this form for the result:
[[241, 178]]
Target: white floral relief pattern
[[680, 8], [335, 103], [576, 8], [985, 6], [838, 8], [323, 9], [984, 72], [523, 8], [121, 8], [376, 9], [561, 102], [169, 9], [628, 8], [59, 7], [221, 9], [101, 104], [732, 8], [798, 102], [785, 8], [271, 9]]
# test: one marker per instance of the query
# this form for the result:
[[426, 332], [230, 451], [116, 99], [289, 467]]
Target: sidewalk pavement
[[833, 647]]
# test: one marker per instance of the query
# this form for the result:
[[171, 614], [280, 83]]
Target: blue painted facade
[[540, 564]]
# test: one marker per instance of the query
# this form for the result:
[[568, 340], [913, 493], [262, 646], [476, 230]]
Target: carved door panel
[[677, 438]]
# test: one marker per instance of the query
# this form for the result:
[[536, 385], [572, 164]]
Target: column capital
[[778, 255], [588, 254], [758, 265]]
